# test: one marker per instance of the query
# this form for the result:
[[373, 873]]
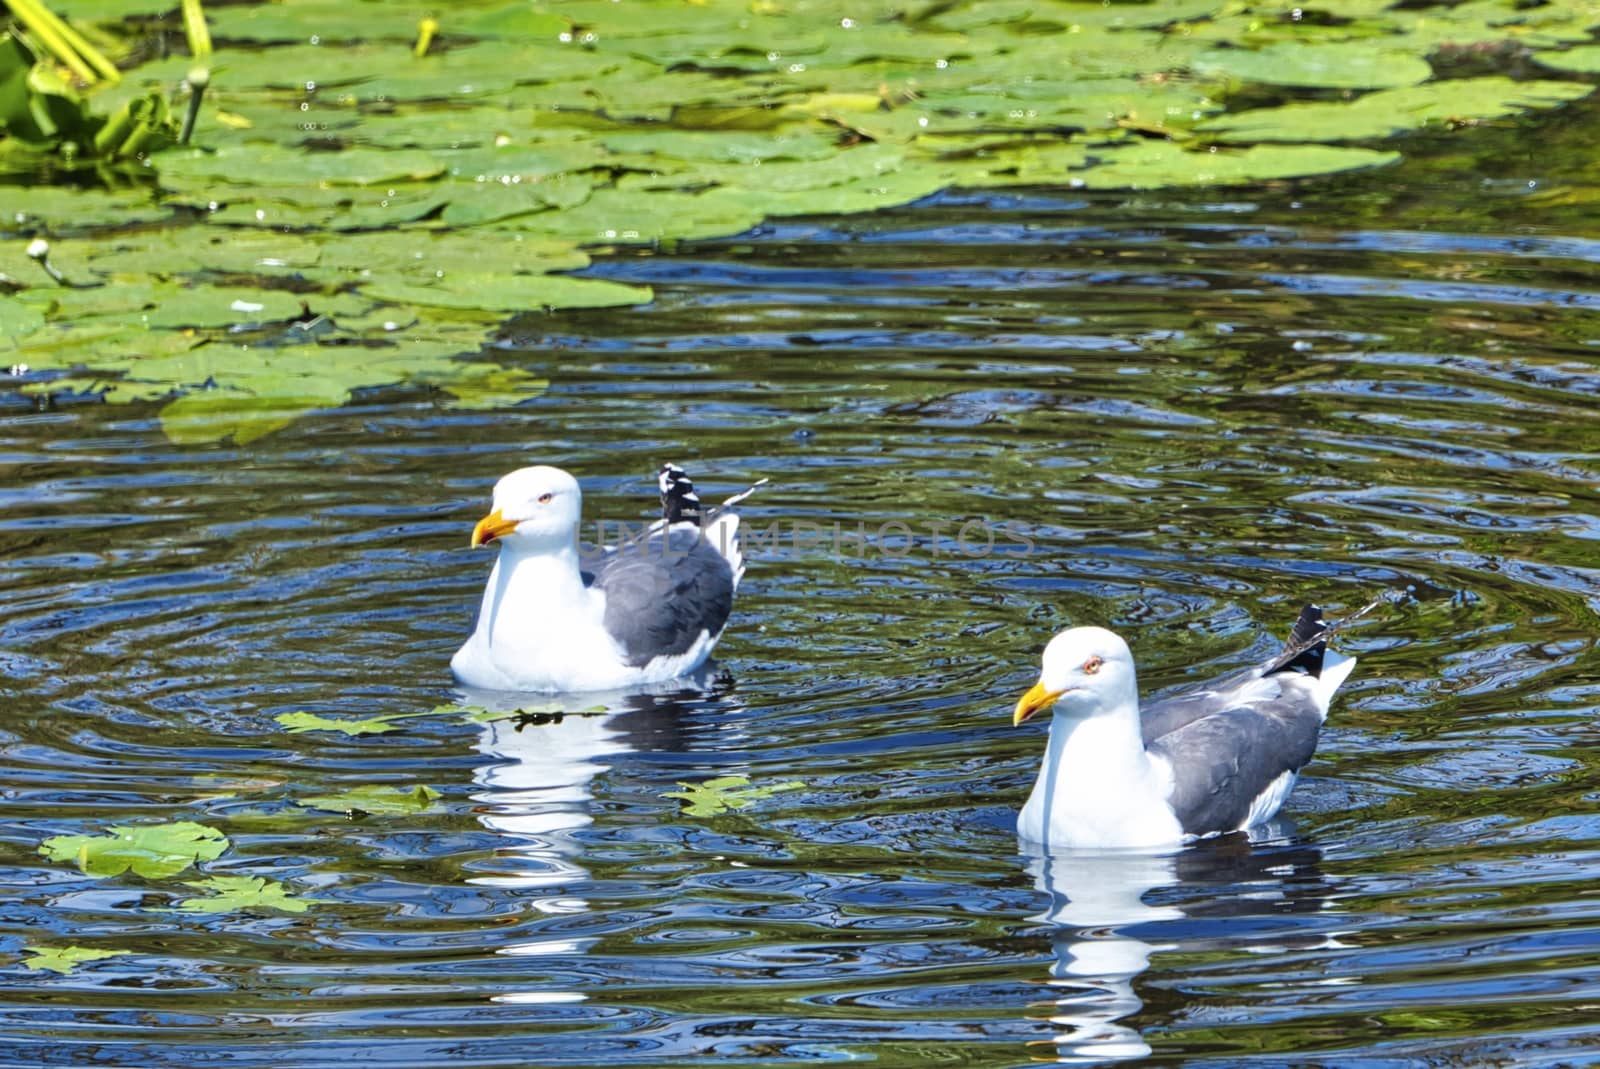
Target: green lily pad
[[717, 796], [17, 318], [233, 894], [1582, 60], [413, 201], [376, 800], [493, 387], [373, 725], [1341, 65], [64, 959], [1162, 164], [248, 163], [154, 851], [516, 293], [1394, 111]]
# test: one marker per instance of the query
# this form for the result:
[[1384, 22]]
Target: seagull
[[554, 620], [1212, 759]]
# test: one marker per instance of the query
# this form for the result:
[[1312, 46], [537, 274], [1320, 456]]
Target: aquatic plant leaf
[[302, 721], [1582, 60], [222, 306], [63, 210], [516, 293], [154, 851], [488, 202], [246, 164], [376, 800], [1163, 164], [1339, 65], [1394, 111], [327, 20], [334, 166], [724, 793], [64, 959], [233, 894], [491, 386], [17, 318]]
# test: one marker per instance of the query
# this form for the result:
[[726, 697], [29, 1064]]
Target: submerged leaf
[[719, 795], [376, 799], [230, 894], [154, 851], [64, 959]]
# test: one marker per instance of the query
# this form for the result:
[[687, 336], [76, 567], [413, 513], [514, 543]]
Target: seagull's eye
[[1092, 665], [544, 499]]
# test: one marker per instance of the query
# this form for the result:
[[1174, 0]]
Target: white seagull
[[555, 620], [1211, 759]]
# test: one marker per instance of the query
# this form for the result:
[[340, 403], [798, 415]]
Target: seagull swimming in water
[[556, 620], [1211, 759]]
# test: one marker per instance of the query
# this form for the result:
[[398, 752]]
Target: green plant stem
[[63, 42], [197, 80], [194, 27]]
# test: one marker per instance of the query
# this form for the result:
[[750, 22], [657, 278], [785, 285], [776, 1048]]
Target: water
[[1199, 412]]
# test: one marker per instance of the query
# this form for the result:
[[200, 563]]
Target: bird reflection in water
[[536, 788], [1104, 930]]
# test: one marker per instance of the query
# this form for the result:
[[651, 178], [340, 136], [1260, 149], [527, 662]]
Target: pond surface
[[1197, 412]]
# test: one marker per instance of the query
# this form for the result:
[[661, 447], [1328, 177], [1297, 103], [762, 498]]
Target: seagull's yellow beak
[[1031, 702], [491, 527]]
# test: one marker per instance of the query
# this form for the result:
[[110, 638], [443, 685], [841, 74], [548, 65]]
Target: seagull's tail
[[723, 530], [679, 502], [719, 525], [1306, 646]]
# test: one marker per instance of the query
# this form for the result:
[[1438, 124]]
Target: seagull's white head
[[1087, 671], [534, 509]]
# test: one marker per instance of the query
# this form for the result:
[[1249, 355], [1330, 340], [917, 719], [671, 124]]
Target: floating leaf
[[1341, 65], [1581, 60], [489, 386], [377, 800], [17, 318], [1160, 164], [231, 894], [303, 721], [64, 959], [1394, 111], [514, 293], [154, 851], [716, 796]]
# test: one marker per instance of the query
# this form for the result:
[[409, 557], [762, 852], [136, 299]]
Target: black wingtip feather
[[1306, 646], [679, 502]]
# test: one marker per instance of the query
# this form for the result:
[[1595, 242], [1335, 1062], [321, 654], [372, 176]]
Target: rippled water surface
[[1189, 413]]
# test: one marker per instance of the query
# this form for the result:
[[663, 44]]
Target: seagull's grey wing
[[1303, 653], [661, 594], [1223, 761], [1166, 715]]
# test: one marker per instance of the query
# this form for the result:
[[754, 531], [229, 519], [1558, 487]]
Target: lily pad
[[303, 721], [413, 201], [1341, 65], [154, 851], [17, 318], [1394, 111], [717, 796], [376, 800], [1161, 164], [64, 959], [1582, 60], [516, 293], [233, 894]]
